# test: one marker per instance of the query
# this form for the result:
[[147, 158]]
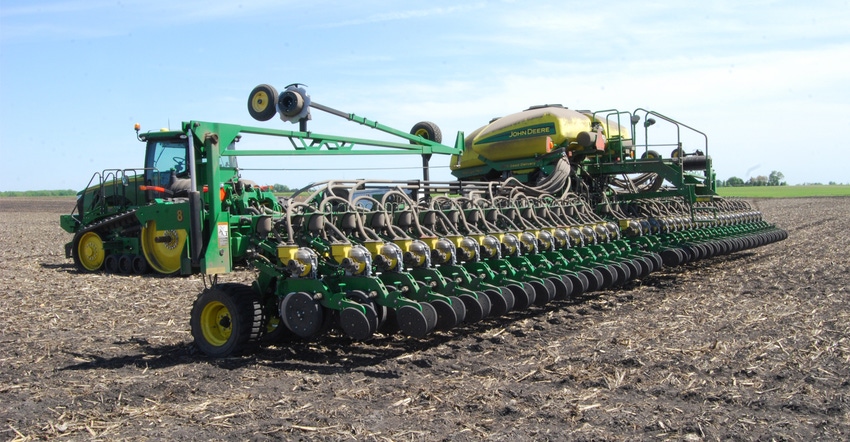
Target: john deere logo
[[546, 129]]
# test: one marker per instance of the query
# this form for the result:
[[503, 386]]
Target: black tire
[[125, 264], [225, 319], [651, 155], [261, 102], [428, 131], [110, 264], [140, 265]]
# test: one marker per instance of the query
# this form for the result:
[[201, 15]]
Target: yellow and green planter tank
[[530, 134]]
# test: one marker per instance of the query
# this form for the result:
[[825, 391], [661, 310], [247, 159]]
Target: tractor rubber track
[[124, 222]]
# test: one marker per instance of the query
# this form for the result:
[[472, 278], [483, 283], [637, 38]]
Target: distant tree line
[[29, 193], [282, 188], [774, 179]]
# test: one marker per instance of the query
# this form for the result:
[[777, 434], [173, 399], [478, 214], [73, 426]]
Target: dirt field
[[752, 346]]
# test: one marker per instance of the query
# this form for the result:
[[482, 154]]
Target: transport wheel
[[428, 131], [163, 248], [224, 319], [650, 155], [261, 102], [88, 252], [301, 314]]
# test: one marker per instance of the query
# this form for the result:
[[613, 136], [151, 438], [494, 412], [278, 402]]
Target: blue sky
[[766, 80]]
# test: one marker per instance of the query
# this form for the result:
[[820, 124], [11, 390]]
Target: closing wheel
[[477, 308], [459, 307], [224, 319], [522, 298], [500, 302], [375, 314], [594, 280], [88, 252], [261, 105], [446, 317], [563, 287], [163, 248], [302, 314], [633, 267], [623, 273], [608, 275], [580, 284], [671, 257], [543, 292]]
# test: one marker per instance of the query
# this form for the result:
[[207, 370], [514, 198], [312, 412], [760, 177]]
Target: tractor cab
[[166, 160]]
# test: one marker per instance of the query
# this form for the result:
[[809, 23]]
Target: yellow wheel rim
[[273, 324], [163, 249], [260, 101], [90, 251], [216, 323], [422, 133]]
